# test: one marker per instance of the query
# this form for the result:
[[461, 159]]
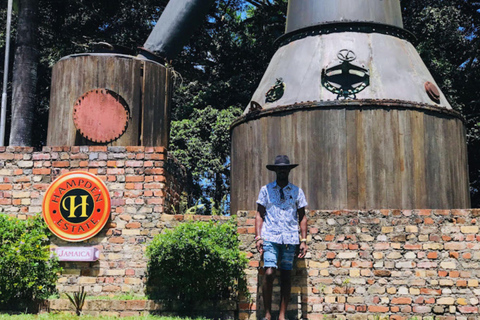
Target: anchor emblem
[[345, 79]]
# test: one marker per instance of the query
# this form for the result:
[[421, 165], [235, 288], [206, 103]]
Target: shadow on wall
[[298, 306]]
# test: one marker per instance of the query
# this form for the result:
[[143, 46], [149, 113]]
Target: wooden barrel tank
[[353, 156], [109, 99]]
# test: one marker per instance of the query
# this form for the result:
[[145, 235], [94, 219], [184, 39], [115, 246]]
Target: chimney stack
[[348, 97]]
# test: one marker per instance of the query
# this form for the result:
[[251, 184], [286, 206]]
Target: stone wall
[[144, 185], [392, 263], [395, 263]]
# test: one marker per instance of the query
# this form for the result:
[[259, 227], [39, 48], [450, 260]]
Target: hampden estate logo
[[76, 206]]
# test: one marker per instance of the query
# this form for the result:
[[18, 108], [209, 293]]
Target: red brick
[[413, 246], [432, 255], [424, 212], [453, 254], [428, 221], [442, 273], [155, 156], [460, 212], [41, 171], [159, 149], [242, 230], [362, 264], [468, 309], [148, 164], [406, 309], [378, 309], [119, 240], [133, 225], [461, 283], [401, 301], [467, 255], [159, 201], [61, 164], [112, 164], [329, 237], [349, 308], [419, 300], [454, 274], [134, 164], [160, 178], [331, 255], [361, 308], [5, 187], [6, 156], [254, 263], [153, 186], [154, 171]]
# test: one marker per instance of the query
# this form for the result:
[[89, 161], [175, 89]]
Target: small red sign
[[76, 206]]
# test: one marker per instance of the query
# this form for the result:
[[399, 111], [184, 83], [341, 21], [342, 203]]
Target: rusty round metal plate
[[101, 115], [432, 91]]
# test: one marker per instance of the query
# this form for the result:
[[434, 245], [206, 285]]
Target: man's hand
[[303, 250], [259, 246]]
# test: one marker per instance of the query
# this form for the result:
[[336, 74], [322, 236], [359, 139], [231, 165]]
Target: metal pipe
[[174, 28], [3, 112]]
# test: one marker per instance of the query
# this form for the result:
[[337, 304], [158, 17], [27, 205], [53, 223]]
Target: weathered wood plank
[[351, 159], [376, 158], [76, 75], [418, 158], [406, 160]]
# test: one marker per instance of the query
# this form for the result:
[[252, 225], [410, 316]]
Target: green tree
[[220, 69], [448, 41], [202, 143], [24, 74]]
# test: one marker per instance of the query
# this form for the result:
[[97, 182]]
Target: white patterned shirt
[[280, 224]]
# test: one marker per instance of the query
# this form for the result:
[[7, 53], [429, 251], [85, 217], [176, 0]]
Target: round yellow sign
[[76, 206]]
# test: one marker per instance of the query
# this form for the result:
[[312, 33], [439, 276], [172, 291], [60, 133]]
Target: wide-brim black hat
[[281, 161]]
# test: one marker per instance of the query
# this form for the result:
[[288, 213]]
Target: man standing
[[280, 212]]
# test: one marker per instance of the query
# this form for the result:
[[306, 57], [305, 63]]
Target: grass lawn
[[51, 316]]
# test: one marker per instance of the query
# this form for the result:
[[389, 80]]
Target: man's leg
[[268, 279], [285, 289]]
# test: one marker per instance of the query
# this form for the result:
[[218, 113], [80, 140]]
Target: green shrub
[[196, 261], [27, 272]]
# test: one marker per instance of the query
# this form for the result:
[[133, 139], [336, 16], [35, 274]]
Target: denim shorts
[[277, 255]]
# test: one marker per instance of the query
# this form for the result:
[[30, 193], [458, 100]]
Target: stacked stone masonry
[[378, 264], [394, 264], [144, 184]]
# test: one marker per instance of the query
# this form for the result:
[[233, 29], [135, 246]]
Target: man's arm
[[259, 216], [302, 217]]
